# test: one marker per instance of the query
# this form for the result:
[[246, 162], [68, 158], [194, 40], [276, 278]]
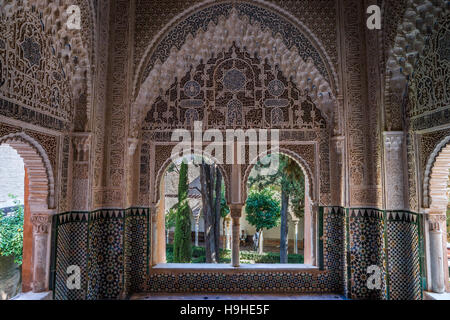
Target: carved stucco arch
[[40, 172], [436, 177], [217, 37], [310, 186], [159, 176], [73, 47], [419, 21]]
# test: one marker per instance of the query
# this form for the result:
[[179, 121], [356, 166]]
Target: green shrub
[[199, 256], [11, 232]]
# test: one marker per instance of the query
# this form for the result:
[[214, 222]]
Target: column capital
[[41, 223], [81, 142], [339, 143], [435, 221], [132, 145], [236, 210], [153, 209], [393, 140]]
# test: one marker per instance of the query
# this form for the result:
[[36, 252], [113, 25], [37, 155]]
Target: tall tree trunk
[[204, 176], [284, 226], [218, 196], [260, 242], [211, 184]]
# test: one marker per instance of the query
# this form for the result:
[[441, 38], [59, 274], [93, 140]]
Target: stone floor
[[436, 296], [237, 297]]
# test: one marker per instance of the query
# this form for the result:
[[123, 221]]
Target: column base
[[47, 295]]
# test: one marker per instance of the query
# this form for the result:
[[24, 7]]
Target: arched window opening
[[197, 219], [273, 220], [12, 193]]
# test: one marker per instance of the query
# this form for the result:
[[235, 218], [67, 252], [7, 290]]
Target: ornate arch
[[214, 28], [436, 177], [40, 172], [413, 32], [163, 168], [418, 22], [307, 172]]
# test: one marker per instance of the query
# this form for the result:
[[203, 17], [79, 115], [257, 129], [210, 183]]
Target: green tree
[[182, 246], [262, 211], [11, 232], [291, 182], [170, 220]]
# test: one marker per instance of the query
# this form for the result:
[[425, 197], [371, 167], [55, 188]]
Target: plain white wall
[[12, 174]]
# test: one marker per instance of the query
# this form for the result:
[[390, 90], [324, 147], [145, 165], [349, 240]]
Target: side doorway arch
[[436, 186], [39, 203]]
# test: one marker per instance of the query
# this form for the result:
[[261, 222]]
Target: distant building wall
[[273, 233], [12, 175]]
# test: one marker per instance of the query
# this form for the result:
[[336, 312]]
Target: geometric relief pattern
[[404, 256], [71, 250], [431, 80], [136, 249], [367, 248], [234, 89], [105, 266], [32, 73]]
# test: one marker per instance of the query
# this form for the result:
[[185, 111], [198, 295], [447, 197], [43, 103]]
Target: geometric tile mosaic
[[404, 256], [71, 250], [334, 244], [242, 282], [105, 261], [136, 249], [111, 247], [367, 248]]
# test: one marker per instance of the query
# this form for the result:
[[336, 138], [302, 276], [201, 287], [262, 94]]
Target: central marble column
[[236, 212], [296, 236]]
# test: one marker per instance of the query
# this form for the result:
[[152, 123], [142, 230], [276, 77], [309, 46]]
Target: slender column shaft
[[436, 254], [154, 235], [228, 234], [41, 227], [296, 238], [235, 249]]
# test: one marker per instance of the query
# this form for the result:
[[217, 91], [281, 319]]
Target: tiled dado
[[242, 281], [112, 248], [364, 237]]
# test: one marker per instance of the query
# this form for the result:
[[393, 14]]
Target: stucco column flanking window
[[41, 238], [436, 222], [394, 161], [154, 235], [80, 184]]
